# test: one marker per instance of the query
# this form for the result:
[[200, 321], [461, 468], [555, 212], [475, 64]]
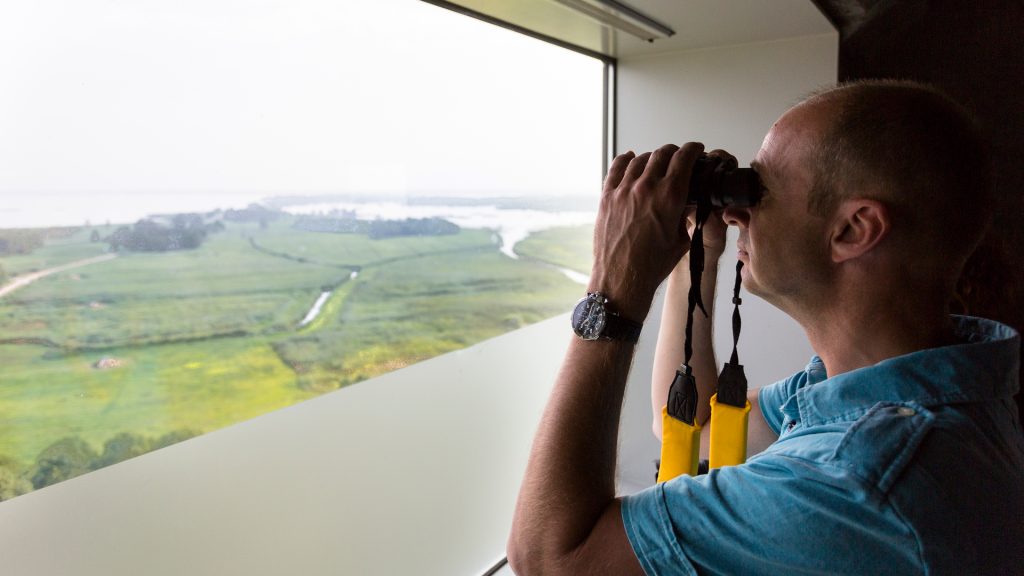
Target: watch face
[[588, 318]]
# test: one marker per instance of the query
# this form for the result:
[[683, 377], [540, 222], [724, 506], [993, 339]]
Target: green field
[[66, 245], [109, 360], [569, 247]]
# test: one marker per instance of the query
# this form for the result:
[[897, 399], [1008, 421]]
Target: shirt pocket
[[880, 444]]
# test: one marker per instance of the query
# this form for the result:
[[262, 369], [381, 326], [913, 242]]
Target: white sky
[[288, 96]]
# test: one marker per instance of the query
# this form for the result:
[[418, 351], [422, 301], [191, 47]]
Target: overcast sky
[[288, 96]]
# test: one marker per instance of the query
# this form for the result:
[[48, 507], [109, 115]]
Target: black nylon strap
[[732, 382], [682, 394], [696, 272], [736, 322]]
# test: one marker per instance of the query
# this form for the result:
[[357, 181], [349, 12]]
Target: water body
[[319, 304], [511, 225], [315, 310]]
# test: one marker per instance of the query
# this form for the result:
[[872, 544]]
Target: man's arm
[[567, 519]]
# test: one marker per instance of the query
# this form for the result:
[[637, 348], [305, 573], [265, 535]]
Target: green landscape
[[182, 325]]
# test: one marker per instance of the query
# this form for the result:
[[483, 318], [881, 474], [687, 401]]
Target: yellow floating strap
[[680, 447], [728, 434]]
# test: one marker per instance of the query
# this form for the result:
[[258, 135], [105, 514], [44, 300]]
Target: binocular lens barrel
[[724, 184]]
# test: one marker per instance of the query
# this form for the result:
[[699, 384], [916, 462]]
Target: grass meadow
[[106, 361]]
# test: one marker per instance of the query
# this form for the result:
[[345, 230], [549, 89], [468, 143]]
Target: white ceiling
[[707, 23], [698, 23]]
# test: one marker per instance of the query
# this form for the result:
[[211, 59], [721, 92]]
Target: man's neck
[[868, 329]]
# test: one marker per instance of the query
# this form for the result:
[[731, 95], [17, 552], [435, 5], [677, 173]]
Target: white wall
[[727, 98]]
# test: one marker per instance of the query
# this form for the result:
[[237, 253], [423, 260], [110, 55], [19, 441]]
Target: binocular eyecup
[[723, 183]]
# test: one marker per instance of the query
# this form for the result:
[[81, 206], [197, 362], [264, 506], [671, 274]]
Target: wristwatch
[[592, 320]]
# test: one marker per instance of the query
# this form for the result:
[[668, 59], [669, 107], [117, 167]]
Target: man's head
[[913, 148], [860, 171]]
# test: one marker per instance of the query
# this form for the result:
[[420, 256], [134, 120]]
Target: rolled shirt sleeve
[[758, 518]]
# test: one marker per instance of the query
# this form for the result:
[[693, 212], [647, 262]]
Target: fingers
[[669, 161], [658, 164], [617, 170], [681, 165], [723, 155], [636, 167]]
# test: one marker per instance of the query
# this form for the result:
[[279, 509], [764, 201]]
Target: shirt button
[[905, 411]]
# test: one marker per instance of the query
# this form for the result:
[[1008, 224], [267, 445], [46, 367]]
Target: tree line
[[72, 456], [186, 232], [377, 229], [20, 241]]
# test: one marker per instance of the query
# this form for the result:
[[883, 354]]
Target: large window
[[214, 209]]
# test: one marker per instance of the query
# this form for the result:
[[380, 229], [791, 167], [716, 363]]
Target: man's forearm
[[569, 480], [567, 519]]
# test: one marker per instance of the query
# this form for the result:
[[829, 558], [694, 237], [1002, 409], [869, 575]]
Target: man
[[898, 450]]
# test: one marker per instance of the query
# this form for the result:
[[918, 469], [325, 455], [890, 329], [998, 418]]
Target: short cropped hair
[[921, 153]]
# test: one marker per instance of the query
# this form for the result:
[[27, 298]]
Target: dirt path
[[26, 279]]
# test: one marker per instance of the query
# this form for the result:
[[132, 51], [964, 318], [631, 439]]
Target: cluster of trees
[[253, 213], [377, 229], [186, 232], [21, 241], [331, 224], [72, 456], [411, 227], [12, 481]]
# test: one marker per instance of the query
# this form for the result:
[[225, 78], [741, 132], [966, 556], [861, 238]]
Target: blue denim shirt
[[912, 466]]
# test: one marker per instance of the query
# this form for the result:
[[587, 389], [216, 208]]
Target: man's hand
[[639, 235]]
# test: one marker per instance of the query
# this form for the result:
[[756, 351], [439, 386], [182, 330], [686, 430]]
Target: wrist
[[626, 296], [633, 309], [595, 317]]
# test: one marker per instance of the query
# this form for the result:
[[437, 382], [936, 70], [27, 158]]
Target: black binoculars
[[723, 183]]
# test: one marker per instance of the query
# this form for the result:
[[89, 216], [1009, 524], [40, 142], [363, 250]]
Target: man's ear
[[859, 226]]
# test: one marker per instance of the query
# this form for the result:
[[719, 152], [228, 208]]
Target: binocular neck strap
[[732, 383], [736, 322], [696, 273]]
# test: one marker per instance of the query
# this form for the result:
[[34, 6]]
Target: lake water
[[512, 225]]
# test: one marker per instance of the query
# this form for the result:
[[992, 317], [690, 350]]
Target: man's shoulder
[[919, 466]]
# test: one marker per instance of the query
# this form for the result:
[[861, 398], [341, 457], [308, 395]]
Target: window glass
[[214, 209]]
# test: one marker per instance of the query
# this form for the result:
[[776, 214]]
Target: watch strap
[[618, 328]]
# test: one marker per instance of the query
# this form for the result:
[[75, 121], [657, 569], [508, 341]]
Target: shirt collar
[[983, 366]]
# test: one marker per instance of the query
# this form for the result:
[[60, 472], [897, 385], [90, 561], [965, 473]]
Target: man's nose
[[735, 216]]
